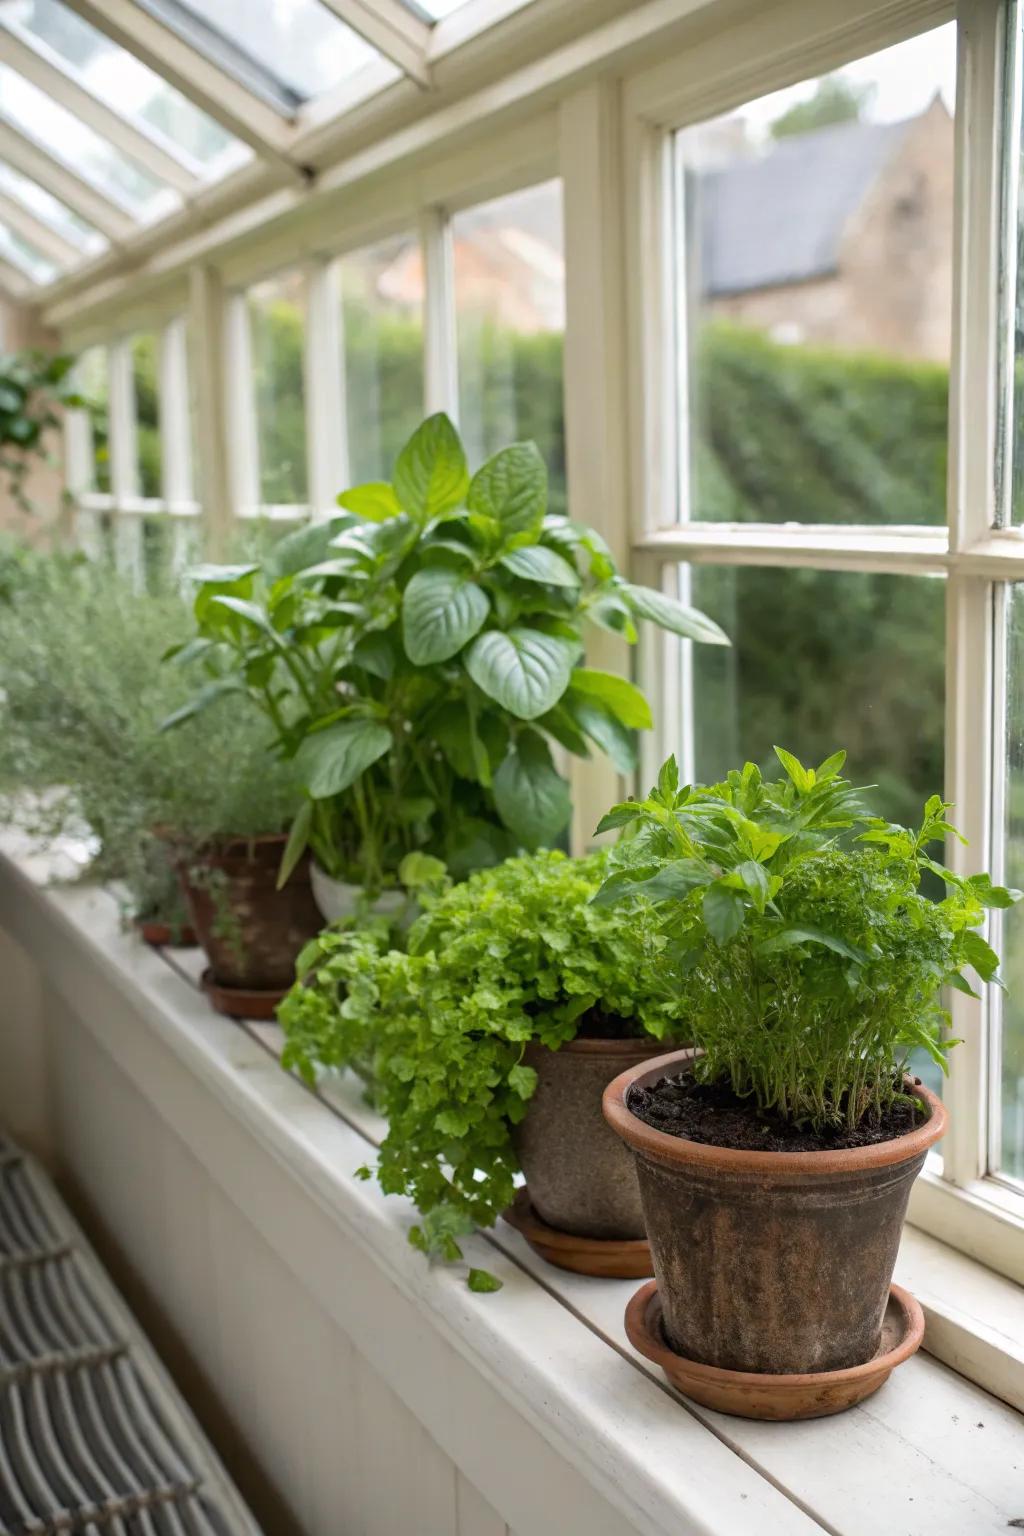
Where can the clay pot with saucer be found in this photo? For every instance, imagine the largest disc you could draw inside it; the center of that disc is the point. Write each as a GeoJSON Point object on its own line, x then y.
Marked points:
{"type": "Point", "coordinates": [772, 1264]}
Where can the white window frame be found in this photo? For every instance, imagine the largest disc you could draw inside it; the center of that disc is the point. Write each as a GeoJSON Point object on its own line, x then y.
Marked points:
{"type": "Point", "coordinates": [124, 505]}
{"type": "Point", "coordinates": [956, 1199]}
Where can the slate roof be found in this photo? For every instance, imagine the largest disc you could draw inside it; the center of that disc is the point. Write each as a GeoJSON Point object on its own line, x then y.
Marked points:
{"type": "Point", "coordinates": [780, 218]}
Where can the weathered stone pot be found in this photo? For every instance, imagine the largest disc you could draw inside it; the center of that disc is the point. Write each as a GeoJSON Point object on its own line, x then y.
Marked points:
{"type": "Point", "coordinates": [775, 1262]}
{"type": "Point", "coordinates": [580, 1177]}
{"type": "Point", "coordinates": [251, 931]}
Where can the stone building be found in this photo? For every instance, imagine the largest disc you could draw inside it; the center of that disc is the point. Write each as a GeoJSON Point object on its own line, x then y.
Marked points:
{"type": "Point", "coordinates": [842, 236]}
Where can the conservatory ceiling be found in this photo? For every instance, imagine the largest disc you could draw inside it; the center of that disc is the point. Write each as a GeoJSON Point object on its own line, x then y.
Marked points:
{"type": "Point", "coordinates": [117, 114]}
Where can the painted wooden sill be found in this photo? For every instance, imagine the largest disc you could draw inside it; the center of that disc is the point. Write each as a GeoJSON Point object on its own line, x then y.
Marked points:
{"type": "Point", "coordinates": [931, 1453]}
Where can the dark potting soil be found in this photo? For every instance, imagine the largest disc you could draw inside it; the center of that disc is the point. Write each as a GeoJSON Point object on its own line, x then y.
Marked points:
{"type": "Point", "coordinates": [597, 1025]}
{"type": "Point", "coordinates": [711, 1113]}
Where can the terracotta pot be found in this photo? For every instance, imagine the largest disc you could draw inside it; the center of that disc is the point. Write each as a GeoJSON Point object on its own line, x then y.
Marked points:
{"type": "Point", "coordinates": [251, 931]}
{"type": "Point", "coordinates": [775, 1262]}
{"type": "Point", "coordinates": [580, 1177]}
{"type": "Point", "coordinates": [165, 935]}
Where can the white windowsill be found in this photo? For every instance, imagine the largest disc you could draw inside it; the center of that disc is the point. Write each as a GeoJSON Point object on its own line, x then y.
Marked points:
{"type": "Point", "coordinates": [930, 1453]}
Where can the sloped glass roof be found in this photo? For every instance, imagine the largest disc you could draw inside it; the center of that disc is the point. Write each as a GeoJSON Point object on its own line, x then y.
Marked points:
{"type": "Point", "coordinates": [94, 158]}
{"type": "Point", "coordinates": [103, 133]}
{"type": "Point", "coordinates": [25, 257]}
{"type": "Point", "coordinates": [119, 78]}
{"type": "Point", "coordinates": [301, 46]}
{"type": "Point", "coordinates": [61, 219]}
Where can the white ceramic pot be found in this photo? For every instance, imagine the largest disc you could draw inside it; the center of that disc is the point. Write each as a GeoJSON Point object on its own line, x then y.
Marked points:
{"type": "Point", "coordinates": [337, 899]}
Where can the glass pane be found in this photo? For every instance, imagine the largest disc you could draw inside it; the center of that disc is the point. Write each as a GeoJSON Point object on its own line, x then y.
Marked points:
{"type": "Point", "coordinates": [1011, 945]}
{"type": "Point", "coordinates": [68, 138]}
{"type": "Point", "coordinates": [382, 326]}
{"type": "Point", "coordinates": [25, 257]}
{"type": "Point", "coordinates": [510, 315]}
{"type": "Point", "coordinates": [92, 381]}
{"type": "Point", "coordinates": [276, 319]}
{"type": "Point", "coordinates": [300, 43]}
{"type": "Point", "coordinates": [822, 660]}
{"type": "Point", "coordinates": [117, 77]}
{"type": "Point", "coordinates": [51, 211]}
{"type": "Point", "coordinates": [147, 420]}
{"type": "Point", "coordinates": [815, 256]}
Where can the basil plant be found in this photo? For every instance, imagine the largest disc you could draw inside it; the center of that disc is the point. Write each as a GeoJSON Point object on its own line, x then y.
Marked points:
{"type": "Point", "coordinates": [422, 653]}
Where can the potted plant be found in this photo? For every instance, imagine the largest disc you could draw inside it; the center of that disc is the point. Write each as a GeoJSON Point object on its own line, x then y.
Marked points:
{"type": "Point", "coordinates": [775, 1166]}
{"type": "Point", "coordinates": [81, 751]}
{"type": "Point", "coordinates": [419, 656]}
{"type": "Point", "coordinates": [489, 1042]}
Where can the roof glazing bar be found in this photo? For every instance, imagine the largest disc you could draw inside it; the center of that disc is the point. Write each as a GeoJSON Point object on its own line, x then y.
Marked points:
{"type": "Point", "coordinates": [33, 160]}
{"type": "Point", "coordinates": [46, 240]}
{"type": "Point", "coordinates": [398, 32]}
{"type": "Point", "coordinates": [159, 44]}
{"type": "Point", "coordinates": [48, 71]}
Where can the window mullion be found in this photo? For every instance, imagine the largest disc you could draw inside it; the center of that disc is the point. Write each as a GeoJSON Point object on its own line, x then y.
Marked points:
{"type": "Point", "coordinates": [440, 362]}
{"type": "Point", "coordinates": [326, 428]}
{"type": "Point", "coordinates": [243, 435]}
{"type": "Point", "coordinates": [973, 417]}
{"type": "Point", "coordinates": [124, 461]}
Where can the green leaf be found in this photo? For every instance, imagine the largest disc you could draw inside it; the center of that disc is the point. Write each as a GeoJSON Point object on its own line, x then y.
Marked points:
{"type": "Point", "coordinates": [207, 695]}
{"type": "Point", "coordinates": [753, 878]}
{"type": "Point", "coordinates": [531, 796]}
{"type": "Point", "coordinates": [668, 780]}
{"type": "Point", "coordinates": [802, 777]}
{"type": "Point", "coordinates": [219, 575]}
{"type": "Point", "coordinates": [621, 698]}
{"type": "Point", "coordinates": [376, 501]}
{"type": "Point", "coordinates": [375, 653]}
{"type": "Point", "coordinates": [724, 913]}
{"type": "Point", "coordinates": [431, 477]}
{"type": "Point", "coordinates": [523, 1080]}
{"type": "Point", "coordinates": [420, 869]}
{"type": "Point", "coordinates": [831, 767]}
{"type": "Point", "coordinates": [512, 488]}
{"type": "Point", "coordinates": [303, 547]}
{"type": "Point", "coordinates": [441, 610]}
{"type": "Point", "coordinates": [482, 1281]}
{"type": "Point", "coordinates": [619, 816]}
{"type": "Point", "coordinates": [607, 733]}
{"type": "Point", "coordinates": [980, 955]}
{"type": "Point", "coordinates": [523, 670]}
{"type": "Point", "coordinates": [330, 761]}
{"type": "Point", "coordinates": [791, 938]}
{"type": "Point", "coordinates": [251, 612]}
{"type": "Point", "coordinates": [535, 563]}
{"type": "Point", "coordinates": [990, 895]}
{"type": "Point", "coordinates": [668, 613]}
{"type": "Point", "coordinates": [298, 841]}
{"type": "Point", "coordinates": [672, 883]}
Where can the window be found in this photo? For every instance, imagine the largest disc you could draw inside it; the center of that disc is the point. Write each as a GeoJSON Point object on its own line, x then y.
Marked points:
{"type": "Point", "coordinates": [382, 295]}
{"type": "Point", "coordinates": [115, 75]}
{"type": "Point", "coordinates": [51, 211]}
{"type": "Point", "coordinates": [301, 45]}
{"type": "Point", "coordinates": [42, 119]}
{"type": "Point", "coordinates": [275, 309]}
{"type": "Point", "coordinates": [149, 454]}
{"type": "Point", "coordinates": [510, 315]}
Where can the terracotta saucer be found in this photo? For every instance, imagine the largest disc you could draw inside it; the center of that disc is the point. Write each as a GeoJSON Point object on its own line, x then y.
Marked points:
{"type": "Point", "coordinates": [164, 936]}
{"type": "Point", "coordinates": [608, 1258]}
{"type": "Point", "coordinates": [752, 1395]}
{"type": "Point", "coordinates": [241, 1002]}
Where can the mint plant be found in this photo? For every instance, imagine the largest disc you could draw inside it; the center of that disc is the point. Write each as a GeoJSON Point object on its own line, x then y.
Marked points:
{"type": "Point", "coordinates": [807, 965]}
{"type": "Point", "coordinates": [514, 954]}
{"type": "Point", "coordinates": [421, 654]}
